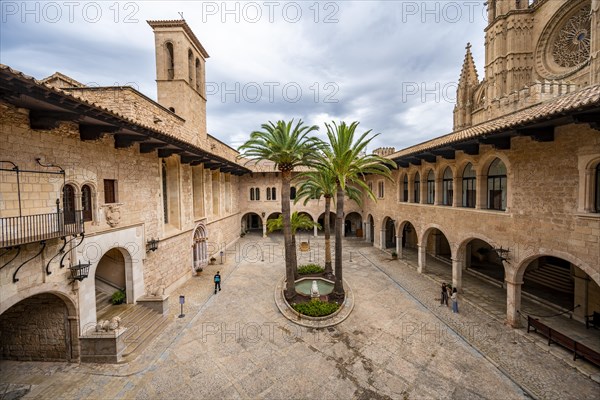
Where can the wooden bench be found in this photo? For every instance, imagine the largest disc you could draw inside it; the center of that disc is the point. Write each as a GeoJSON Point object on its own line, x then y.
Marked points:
{"type": "Point", "coordinates": [593, 320]}
{"type": "Point", "coordinates": [579, 350]}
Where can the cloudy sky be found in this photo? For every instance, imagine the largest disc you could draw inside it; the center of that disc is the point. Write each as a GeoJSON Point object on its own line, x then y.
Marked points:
{"type": "Point", "coordinates": [392, 65]}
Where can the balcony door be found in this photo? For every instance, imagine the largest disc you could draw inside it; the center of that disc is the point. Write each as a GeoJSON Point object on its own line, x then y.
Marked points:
{"type": "Point", "coordinates": [69, 204]}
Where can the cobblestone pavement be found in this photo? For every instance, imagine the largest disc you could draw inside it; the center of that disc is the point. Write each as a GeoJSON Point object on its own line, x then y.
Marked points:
{"type": "Point", "coordinates": [397, 343]}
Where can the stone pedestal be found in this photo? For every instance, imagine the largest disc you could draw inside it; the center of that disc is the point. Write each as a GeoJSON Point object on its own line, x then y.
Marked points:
{"type": "Point", "coordinates": [159, 304]}
{"type": "Point", "coordinates": [102, 347]}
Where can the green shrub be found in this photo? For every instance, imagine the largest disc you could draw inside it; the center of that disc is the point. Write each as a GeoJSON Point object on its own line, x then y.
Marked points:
{"type": "Point", "coordinates": [310, 269]}
{"type": "Point", "coordinates": [118, 297]}
{"type": "Point", "coordinates": [316, 308]}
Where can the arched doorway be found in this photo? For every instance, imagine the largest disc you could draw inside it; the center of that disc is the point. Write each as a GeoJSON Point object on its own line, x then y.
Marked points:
{"type": "Point", "coordinates": [389, 236]}
{"type": "Point", "coordinates": [321, 221]}
{"type": "Point", "coordinates": [271, 216]}
{"type": "Point", "coordinates": [353, 225]}
{"type": "Point", "coordinates": [38, 328]}
{"type": "Point", "coordinates": [409, 236]}
{"type": "Point", "coordinates": [251, 222]}
{"type": "Point", "coordinates": [438, 247]}
{"type": "Point", "coordinates": [200, 248]}
{"type": "Point", "coordinates": [111, 277]}
{"type": "Point", "coordinates": [371, 229]}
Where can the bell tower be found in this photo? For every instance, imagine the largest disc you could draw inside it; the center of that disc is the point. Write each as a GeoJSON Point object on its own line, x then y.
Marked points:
{"type": "Point", "coordinates": [180, 74]}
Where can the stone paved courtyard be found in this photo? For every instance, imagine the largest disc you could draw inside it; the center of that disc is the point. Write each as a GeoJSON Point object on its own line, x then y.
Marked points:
{"type": "Point", "coordinates": [397, 343]}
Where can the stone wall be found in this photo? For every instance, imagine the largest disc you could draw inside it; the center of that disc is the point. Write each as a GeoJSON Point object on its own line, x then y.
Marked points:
{"type": "Point", "coordinates": [42, 336]}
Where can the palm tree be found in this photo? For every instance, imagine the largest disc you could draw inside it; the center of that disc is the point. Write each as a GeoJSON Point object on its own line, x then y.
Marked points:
{"type": "Point", "coordinates": [349, 164]}
{"type": "Point", "coordinates": [298, 221]}
{"type": "Point", "coordinates": [321, 183]}
{"type": "Point", "coordinates": [287, 146]}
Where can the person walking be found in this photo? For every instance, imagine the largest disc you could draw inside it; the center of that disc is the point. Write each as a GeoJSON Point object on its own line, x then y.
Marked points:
{"type": "Point", "coordinates": [444, 299]}
{"type": "Point", "coordinates": [454, 300]}
{"type": "Point", "coordinates": [217, 280]}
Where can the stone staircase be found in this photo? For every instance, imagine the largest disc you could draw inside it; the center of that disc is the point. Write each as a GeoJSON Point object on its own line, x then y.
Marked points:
{"type": "Point", "coordinates": [558, 278]}
{"type": "Point", "coordinates": [143, 325]}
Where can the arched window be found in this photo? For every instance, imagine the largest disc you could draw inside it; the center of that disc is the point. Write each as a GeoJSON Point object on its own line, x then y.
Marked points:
{"type": "Point", "coordinates": [447, 190]}
{"type": "Point", "coordinates": [405, 188]}
{"type": "Point", "coordinates": [251, 194]}
{"type": "Point", "coordinates": [191, 66]}
{"type": "Point", "coordinates": [273, 194]}
{"type": "Point", "coordinates": [597, 202]}
{"type": "Point", "coordinates": [170, 61]}
{"type": "Point", "coordinates": [292, 193]}
{"type": "Point", "coordinates": [257, 193]}
{"type": "Point", "coordinates": [86, 202]}
{"type": "Point", "coordinates": [430, 187]}
{"type": "Point", "coordinates": [417, 189]}
{"type": "Point", "coordinates": [198, 78]}
{"type": "Point", "coordinates": [468, 186]}
{"type": "Point", "coordinates": [165, 193]}
{"type": "Point", "coordinates": [69, 204]}
{"type": "Point", "coordinates": [496, 185]}
{"type": "Point", "coordinates": [268, 193]}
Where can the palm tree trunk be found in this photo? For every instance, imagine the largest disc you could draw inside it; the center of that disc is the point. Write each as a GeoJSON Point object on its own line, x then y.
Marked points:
{"type": "Point", "coordinates": [290, 250]}
{"type": "Point", "coordinates": [328, 269]}
{"type": "Point", "coordinates": [338, 288]}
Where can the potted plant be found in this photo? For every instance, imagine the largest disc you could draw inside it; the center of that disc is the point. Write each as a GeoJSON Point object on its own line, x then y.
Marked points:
{"type": "Point", "coordinates": [198, 269]}
{"type": "Point", "coordinates": [212, 261]}
{"type": "Point", "coordinates": [394, 255]}
{"type": "Point", "coordinates": [118, 297]}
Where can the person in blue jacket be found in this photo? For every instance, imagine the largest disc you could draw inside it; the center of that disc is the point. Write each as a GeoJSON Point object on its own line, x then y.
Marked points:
{"type": "Point", "coordinates": [217, 280]}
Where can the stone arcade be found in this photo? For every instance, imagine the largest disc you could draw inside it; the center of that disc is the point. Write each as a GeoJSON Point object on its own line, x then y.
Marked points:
{"type": "Point", "coordinates": [142, 194]}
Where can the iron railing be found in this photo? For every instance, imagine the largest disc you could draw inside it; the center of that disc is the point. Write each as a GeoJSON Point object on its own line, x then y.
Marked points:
{"type": "Point", "coordinates": [15, 231]}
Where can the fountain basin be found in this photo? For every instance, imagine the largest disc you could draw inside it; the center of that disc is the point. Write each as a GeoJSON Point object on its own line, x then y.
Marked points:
{"type": "Point", "coordinates": [303, 285]}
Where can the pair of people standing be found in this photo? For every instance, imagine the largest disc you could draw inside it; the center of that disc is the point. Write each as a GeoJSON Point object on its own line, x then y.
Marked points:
{"type": "Point", "coordinates": [453, 296]}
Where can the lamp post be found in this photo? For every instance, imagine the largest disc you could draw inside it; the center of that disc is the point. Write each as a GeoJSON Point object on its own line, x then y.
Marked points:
{"type": "Point", "coordinates": [182, 302]}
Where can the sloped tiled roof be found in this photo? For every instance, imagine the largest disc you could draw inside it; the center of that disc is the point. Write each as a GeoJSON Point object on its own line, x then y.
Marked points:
{"type": "Point", "coordinates": [586, 98]}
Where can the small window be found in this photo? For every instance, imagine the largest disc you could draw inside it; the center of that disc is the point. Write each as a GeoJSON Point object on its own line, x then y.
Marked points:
{"type": "Point", "coordinates": [405, 188]}
{"type": "Point", "coordinates": [170, 61]}
{"type": "Point", "coordinates": [268, 193]}
{"type": "Point", "coordinates": [86, 202]}
{"type": "Point", "coordinates": [417, 189]}
{"type": "Point", "coordinates": [293, 193]}
{"type": "Point", "coordinates": [257, 194]}
{"type": "Point", "coordinates": [69, 204]}
{"type": "Point", "coordinates": [198, 78]}
{"type": "Point", "coordinates": [447, 190]}
{"type": "Point", "coordinates": [110, 188]}
{"type": "Point", "coordinates": [497, 186]}
{"type": "Point", "coordinates": [468, 187]}
{"type": "Point", "coordinates": [191, 66]}
{"type": "Point", "coordinates": [370, 185]}
{"type": "Point", "coordinates": [273, 194]}
{"type": "Point", "coordinates": [380, 189]}
{"type": "Point", "coordinates": [430, 188]}
{"type": "Point", "coordinates": [251, 194]}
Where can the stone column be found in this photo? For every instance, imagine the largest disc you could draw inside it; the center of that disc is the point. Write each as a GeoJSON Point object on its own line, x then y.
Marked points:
{"type": "Point", "coordinates": [457, 190]}
{"type": "Point", "coordinates": [399, 246]}
{"type": "Point", "coordinates": [513, 303]}
{"type": "Point", "coordinates": [265, 230]}
{"type": "Point", "coordinates": [595, 44]}
{"type": "Point", "coordinates": [422, 257]}
{"type": "Point", "coordinates": [457, 267]}
{"type": "Point", "coordinates": [382, 239]}
{"type": "Point", "coordinates": [367, 231]}
{"type": "Point", "coordinates": [580, 294]}
{"type": "Point", "coordinates": [480, 195]}
{"type": "Point", "coordinates": [316, 233]}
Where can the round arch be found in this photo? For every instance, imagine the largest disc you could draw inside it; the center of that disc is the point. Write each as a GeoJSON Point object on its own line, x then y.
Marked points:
{"type": "Point", "coordinates": [114, 269]}
{"type": "Point", "coordinates": [481, 167]}
{"type": "Point", "coordinates": [517, 274]}
{"type": "Point", "coordinates": [199, 247]}
{"type": "Point", "coordinates": [51, 317]}
{"type": "Point", "coordinates": [389, 233]}
{"type": "Point", "coordinates": [353, 224]}
{"type": "Point", "coordinates": [370, 228]}
{"type": "Point", "coordinates": [251, 221]}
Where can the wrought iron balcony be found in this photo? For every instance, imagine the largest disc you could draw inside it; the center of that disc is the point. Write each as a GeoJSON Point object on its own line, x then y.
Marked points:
{"type": "Point", "coordinates": [15, 231]}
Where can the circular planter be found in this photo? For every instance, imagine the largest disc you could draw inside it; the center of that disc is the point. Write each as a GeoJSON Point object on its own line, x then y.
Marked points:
{"type": "Point", "coordinates": [314, 322]}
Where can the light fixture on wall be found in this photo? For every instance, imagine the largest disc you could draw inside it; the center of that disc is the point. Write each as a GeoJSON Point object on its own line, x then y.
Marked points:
{"type": "Point", "coordinates": [502, 254]}
{"type": "Point", "coordinates": [262, 214]}
{"type": "Point", "coordinates": [80, 271]}
{"type": "Point", "coordinates": [152, 245]}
